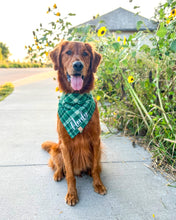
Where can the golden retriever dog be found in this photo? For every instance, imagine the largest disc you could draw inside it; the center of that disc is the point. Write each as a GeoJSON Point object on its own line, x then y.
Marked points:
{"type": "Point", "coordinates": [79, 147]}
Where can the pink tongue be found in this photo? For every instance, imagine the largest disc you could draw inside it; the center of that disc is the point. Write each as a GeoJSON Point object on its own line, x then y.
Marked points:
{"type": "Point", "coordinates": [76, 82]}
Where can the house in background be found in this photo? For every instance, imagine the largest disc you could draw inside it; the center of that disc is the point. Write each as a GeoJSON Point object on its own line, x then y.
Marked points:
{"type": "Point", "coordinates": [124, 21]}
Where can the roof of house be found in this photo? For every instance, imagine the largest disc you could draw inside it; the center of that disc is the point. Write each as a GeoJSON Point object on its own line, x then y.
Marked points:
{"type": "Point", "coordinates": [121, 20]}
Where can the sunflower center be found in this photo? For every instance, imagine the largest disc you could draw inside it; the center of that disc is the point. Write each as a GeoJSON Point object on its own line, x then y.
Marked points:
{"type": "Point", "coordinates": [102, 32]}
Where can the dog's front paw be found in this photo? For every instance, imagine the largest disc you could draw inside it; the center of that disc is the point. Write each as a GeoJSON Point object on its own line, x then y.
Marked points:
{"type": "Point", "coordinates": [58, 176]}
{"type": "Point", "coordinates": [71, 198]}
{"type": "Point", "coordinates": [100, 188]}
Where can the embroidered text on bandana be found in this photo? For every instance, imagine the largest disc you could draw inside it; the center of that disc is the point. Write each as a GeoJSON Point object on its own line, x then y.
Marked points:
{"type": "Point", "coordinates": [75, 110]}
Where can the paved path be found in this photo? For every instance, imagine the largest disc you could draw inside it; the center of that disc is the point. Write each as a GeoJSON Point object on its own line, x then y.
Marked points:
{"type": "Point", "coordinates": [27, 188]}
{"type": "Point", "coordinates": [14, 74]}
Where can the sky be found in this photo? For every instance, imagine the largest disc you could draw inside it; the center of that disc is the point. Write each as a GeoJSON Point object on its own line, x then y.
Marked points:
{"type": "Point", "coordinates": [20, 17]}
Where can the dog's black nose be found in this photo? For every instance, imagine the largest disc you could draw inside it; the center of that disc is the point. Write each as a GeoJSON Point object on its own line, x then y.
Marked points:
{"type": "Point", "coordinates": [78, 66]}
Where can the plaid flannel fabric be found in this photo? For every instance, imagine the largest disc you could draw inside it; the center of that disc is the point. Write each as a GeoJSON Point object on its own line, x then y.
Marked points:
{"type": "Point", "coordinates": [75, 110]}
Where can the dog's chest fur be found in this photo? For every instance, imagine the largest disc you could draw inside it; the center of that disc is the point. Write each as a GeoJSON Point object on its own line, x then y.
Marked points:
{"type": "Point", "coordinates": [80, 147]}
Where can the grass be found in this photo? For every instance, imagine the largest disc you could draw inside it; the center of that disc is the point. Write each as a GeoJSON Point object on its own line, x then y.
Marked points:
{"type": "Point", "coordinates": [5, 90]}
{"type": "Point", "coordinates": [8, 64]}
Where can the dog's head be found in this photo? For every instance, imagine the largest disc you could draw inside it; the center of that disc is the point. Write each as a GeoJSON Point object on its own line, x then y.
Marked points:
{"type": "Point", "coordinates": [76, 62]}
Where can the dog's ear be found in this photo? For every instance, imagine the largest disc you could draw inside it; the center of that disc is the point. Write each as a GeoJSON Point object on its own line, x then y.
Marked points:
{"type": "Point", "coordinates": [95, 58]}
{"type": "Point", "coordinates": [95, 61]}
{"type": "Point", "coordinates": [55, 55]}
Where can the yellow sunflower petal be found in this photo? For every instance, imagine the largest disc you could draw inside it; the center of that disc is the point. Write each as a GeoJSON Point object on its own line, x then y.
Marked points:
{"type": "Point", "coordinates": [118, 39]}
{"type": "Point", "coordinates": [101, 31]}
{"type": "Point", "coordinates": [124, 41]}
{"type": "Point", "coordinates": [173, 12]}
{"type": "Point", "coordinates": [130, 79]}
{"type": "Point", "coordinates": [98, 98]}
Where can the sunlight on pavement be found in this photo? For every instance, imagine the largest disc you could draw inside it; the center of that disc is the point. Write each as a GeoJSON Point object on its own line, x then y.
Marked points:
{"type": "Point", "coordinates": [34, 78]}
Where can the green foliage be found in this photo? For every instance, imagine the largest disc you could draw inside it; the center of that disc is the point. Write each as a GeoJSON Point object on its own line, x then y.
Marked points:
{"type": "Point", "coordinates": [46, 38]}
{"type": "Point", "coordinates": [147, 106]}
{"type": "Point", "coordinates": [4, 51]}
{"type": "Point", "coordinates": [6, 90]}
{"type": "Point", "coordinates": [22, 65]}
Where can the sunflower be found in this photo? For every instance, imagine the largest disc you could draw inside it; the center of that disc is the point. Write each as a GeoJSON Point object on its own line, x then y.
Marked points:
{"type": "Point", "coordinates": [98, 98]}
{"type": "Point", "coordinates": [49, 9]}
{"type": "Point", "coordinates": [54, 6]}
{"type": "Point", "coordinates": [130, 79]}
{"type": "Point", "coordinates": [58, 90]}
{"type": "Point", "coordinates": [101, 31]}
{"type": "Point", "coordinates": [173, 12]}
{"type": "Point", "coordinates": [169, 19]}
{"type": "Point", "coordinates": [46, 53]}
{"type": "Point", "coordinates": [124, 40]}
{"type": "Point", "coordinates": [118, 39]}
{"type": "Point", "coordinates": [58, 14]}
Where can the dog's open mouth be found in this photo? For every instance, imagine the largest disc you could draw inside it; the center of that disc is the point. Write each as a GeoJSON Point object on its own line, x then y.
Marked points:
{"type": "Point", "coordinates": [77, 82]}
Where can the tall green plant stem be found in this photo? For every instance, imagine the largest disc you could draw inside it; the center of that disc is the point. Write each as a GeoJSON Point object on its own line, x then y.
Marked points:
{"type": "Point", "coordinates": [160, 101]}
{"type": "Point", "coordinates": [138, 102]}
{"type": "Point", "coordinates": [143, 117]}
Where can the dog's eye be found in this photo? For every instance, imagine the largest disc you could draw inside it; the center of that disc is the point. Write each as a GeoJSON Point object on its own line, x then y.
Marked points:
{"type": "Point", "coordinates": [69, 52]}
{"type": "Point", "coordinates": [85, 54]}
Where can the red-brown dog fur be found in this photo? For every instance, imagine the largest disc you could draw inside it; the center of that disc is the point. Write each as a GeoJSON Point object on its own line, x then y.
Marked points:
{"type": "Point", "coordinates": [82, 153]}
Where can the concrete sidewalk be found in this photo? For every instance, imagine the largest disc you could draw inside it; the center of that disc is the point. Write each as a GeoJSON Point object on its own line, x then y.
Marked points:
{"type": "Point", "coordinates": [27, 188]}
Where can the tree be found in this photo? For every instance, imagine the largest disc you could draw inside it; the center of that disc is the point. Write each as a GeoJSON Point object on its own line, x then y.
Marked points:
{"type": "Point", "coordinates": [4, 51]}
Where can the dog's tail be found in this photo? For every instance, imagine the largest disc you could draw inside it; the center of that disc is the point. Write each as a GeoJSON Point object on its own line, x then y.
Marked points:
{"type": "Point", "coordinates": [48, 145]}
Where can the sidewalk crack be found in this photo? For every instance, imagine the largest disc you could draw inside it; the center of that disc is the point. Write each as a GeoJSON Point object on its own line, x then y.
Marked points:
{"type": "Point", "coordinates": [23, 165]}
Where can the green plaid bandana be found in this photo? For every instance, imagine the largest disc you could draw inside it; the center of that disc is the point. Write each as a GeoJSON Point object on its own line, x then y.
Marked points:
{"type": "Point", "coordinates": [75, 110]}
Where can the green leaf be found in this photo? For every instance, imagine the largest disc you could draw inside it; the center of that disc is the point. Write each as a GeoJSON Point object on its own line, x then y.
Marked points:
{"type": "Point", "coordinates": [162, 31]}
{"type": "Point", "coordinates": [153, 52]}
{"type": "Point", "coordinates": [139, 61]}
{"type": "Point", "coordinates": [125, 62]}
{"type": "Point", "coordinates": [71, 14]}
{"type": "Point", "coordinates": [135, 7]}
{"type": "Point", "coordinates": [100, 93]}
{"type": "Point", "coordinates": [145, 48]}
{"type": "Point", "coordinates": [162, 13]}
{"type": "Point", "coordinates": [133, 54]}
{"type": "Point", "coordinates": [173, 46]}
{"type": "Point", "coordinates": [139, 23]}
{"type": "Point", "coordinates": [116, 45]}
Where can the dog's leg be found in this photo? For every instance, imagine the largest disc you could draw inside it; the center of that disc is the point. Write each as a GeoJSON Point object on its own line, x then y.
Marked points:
{"type": "Point", "coordinates": [59, 167]}
{"type": "Point", "coordinates": [96, 169]}
{"type": "Point", "coordinates": [71, 197]}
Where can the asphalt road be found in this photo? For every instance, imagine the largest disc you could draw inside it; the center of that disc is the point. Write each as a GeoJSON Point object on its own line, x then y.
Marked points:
{"type": "Point", "coordinates": [13, 74]}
